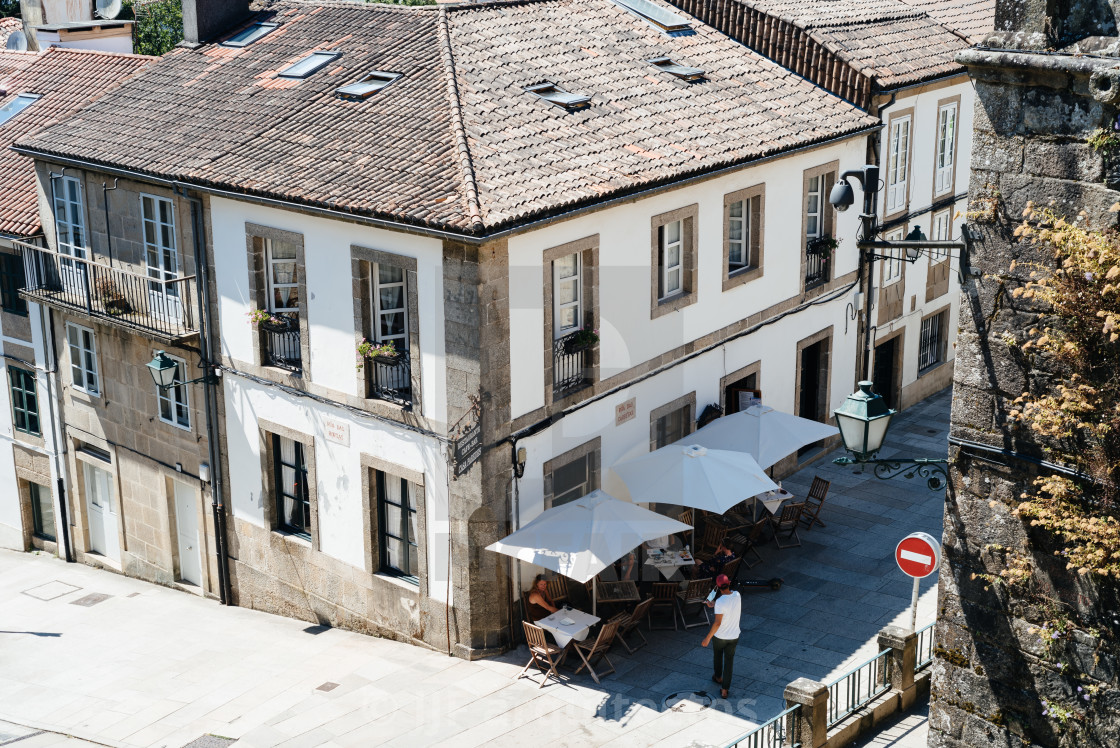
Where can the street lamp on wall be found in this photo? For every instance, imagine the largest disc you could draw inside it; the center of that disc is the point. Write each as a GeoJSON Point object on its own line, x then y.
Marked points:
{"type": "Point", "coordinates": [164, 369]}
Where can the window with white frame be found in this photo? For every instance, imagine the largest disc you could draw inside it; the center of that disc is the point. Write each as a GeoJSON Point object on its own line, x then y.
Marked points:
{"type": "Point", "coordinates": [567, 295]}
{"type": "Point", "coordinates": [743, 233]}
{"type": "Point", "coordinates": [898, 163]}
{"type": "Point", "coordinates": [814, 208]}
{"type": "Point", "coordinates": [390, 305]}
{"type": "Point", "coordinates": [69, 217]}
{"type": "Point", "coordinates": [931, 346]}
{"type": "Point", "coordinates": [283, 275]}
{"type": "Point", "coordinates": [160, 253]}
{"type": "Point", "coordinates": [671, 250]}
{"type": "Point", "coordinates": [892, 268]}
{"type": "Point", "coordinates": [946, 148]}
{"type": "Point", "coordinates": [398, 526]}
{"type": "Point", "coordinates": [942, 232]}
{"type": "Point", "coordinates": [83, 358]}
{"type": "Point", "coordinates": [174, 402]}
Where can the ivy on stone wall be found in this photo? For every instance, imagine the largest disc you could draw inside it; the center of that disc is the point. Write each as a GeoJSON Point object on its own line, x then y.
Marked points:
{"type": "Point", "coordinates": [1077, 409]}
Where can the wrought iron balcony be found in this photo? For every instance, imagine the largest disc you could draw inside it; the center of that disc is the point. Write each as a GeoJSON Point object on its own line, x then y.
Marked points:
{"type": "Point", "coordinates": [160, 309]}
{"type": "Point", "coordinates": [390, 380]}
{"type": "Point", "coordinates": [282, 341]}
{"type": "Point", "coordinates": [571, 365]}
{"type": "Point", "coordinates": [818, 260]}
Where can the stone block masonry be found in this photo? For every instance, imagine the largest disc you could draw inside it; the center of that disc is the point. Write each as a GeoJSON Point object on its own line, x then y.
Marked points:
{"type": "Point", "coordinates": [1007, 670]}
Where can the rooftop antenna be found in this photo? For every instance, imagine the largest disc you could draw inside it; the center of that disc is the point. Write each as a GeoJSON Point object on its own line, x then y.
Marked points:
{"type": "Point", "coordinates": [107, 9]}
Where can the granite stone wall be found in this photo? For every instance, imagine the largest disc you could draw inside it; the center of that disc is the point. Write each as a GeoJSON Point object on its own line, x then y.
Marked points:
{"type": "Point", "coordinates": [1004, 674]}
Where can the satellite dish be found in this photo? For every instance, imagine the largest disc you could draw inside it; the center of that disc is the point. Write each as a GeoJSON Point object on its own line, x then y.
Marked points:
{"type": "Point", "coordinates": [108, 9]}
{"type": "Point", "coordinates": [17, 41]}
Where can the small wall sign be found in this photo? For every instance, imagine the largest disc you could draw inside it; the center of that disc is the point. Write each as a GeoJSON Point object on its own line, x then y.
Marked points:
{"type": "Point", "coordinates": [336, 430]}
{"type": "Point", "coordinates": [625, 411]}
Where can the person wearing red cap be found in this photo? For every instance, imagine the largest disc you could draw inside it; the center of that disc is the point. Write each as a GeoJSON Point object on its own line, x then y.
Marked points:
{"type": "Point", "coordinates": [725, 631]}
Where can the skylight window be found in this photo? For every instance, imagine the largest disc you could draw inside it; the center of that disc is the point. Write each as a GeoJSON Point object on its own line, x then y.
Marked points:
{"type": "Point", "coordinates": [665, 20]}
{"type": "Point", "coordinates": [370, 84]}
{"type": "Point", "coordinates": [248, 36]}
{"type": "Point", "coordinates": [17, 105]}
{"type": "Point", "coordinates": [309, 64]}
{"type": "Point", "coordinates": [560, 97]}
{"type": "Point", "coordinates": [681, 71]}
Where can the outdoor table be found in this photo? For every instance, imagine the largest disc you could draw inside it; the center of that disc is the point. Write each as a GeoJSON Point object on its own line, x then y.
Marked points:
{"type": "Point", "coordinates": [618, 592]}
{"type": "Point", "coordinates": [564, 633]}
{"type": "Point", "coordinates": [670, 562]}
{"type": "Point", "coordinates": [772, 500]}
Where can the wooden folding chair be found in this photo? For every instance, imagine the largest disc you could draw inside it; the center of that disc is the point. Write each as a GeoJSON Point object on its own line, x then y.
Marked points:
{"type": "Point", "coordinates": [713, 536]}
{"type": "Point", "coordinates": [751, 542]}
{"type": "Point", "coordinates": [731, 569]}
{"type": "Point", "coordinates": [558, 590]}
{"type": "Point", "coordinates": [787, 523]}
{"type": "Point", "coordinates": [696, 593]}
{"type": "Point", "coordinates": [630, 621]}
{"type": "Point", "coordinates": [814, 501]}
{"type": "Point", "coordinates": [664, 596]}
{"type": "Point", "coordinates": [541, 653]}
{"type": "Point", "coordinates": [687, 518]}
{"type": "Point", "coordinates": [597, 650]}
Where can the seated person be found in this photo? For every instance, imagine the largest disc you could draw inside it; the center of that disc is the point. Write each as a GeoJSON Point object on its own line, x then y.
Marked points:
{"type": "Point", "coordinates": [713, 567]}
{"type": "Point", "coordinates": [539, 605]}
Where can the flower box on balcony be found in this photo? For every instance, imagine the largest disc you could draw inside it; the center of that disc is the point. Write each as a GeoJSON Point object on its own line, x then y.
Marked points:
{"type": "Point", "coordinates": [277, 324]}
{"type": "Point", "coordinates": [581, 340]}
{"type": "Point", "coordinates": [117, 306]}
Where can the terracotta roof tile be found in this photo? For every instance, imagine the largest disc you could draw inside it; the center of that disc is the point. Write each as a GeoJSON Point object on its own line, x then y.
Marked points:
{"type": "Point", "coordinates": [7, 26]}
{"type": "Point", "coordinates": [972, 19]}
{"type": "Point", "coordinates": [67, 79]}
{"type": "Point", "coordinates": [456, 143]}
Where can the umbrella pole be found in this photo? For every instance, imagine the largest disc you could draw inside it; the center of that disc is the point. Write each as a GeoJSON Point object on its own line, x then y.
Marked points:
{"type": "Point", "coordinates": [595, 595]}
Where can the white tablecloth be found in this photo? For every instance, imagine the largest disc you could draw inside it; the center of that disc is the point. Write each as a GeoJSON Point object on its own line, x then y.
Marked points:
{"type": "Point", "coordinates": [773, 500]}
{"type": "Point", "coordinates": [670, 562]}
{"type": "Point", "coordinates": [563, 633]}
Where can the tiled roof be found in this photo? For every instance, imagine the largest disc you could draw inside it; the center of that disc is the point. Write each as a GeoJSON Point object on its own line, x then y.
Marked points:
{"type": "Point", "coordinates": [7, 26]}
{"type": "Point", "coordinates": [851, 47]}
{"type": "Point", "coordinates": [456, 143]}
{"type": "Point", "coordinates": [67, 79]}
{"type": "Point", "coordinates": [11, 62]}
{"type": "Point", "coordinates": [972, 19]}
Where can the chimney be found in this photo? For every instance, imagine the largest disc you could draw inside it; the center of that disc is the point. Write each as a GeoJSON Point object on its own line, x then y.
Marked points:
{"type": "Point", "coordinates": [205, 19]}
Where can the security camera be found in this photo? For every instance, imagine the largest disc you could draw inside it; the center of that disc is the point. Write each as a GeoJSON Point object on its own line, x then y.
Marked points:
{"type": "Point", "coordinates": [842, 196]}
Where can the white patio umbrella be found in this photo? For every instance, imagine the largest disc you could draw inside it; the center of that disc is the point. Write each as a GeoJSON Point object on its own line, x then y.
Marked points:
{"type": "Point", "coordinates": [765, 434]}
{"type": "Point", "coordinates": [581, 538]}
{"type": "Point", "coordinates": [690, 475]}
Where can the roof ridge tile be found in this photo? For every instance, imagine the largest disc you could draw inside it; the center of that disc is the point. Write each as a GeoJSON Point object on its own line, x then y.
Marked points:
{"type": "Point", "coordinates": [466, 167]}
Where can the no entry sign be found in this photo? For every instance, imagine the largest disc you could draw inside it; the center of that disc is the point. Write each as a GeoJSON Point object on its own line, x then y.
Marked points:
{"type": "Point", "coordinates": [918, 555]}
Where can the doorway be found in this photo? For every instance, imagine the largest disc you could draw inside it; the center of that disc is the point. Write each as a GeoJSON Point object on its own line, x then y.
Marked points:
{"type": "Point", "coordinates": [742, 394]}
{"type": "Point", "coordinates": [103, 535]}
{"type": "Point", "coordinates": [186, 524]}
{"type": "Point", "coordinates": [812, 387]}
{"type": "Point", "coordinates": [884, 372]}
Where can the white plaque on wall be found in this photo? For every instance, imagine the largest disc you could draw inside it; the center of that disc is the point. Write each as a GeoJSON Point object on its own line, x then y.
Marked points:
{"type": "Point", "coordinates": [625, 411]}
{"type": "Point", "coordinates": [336, 430]}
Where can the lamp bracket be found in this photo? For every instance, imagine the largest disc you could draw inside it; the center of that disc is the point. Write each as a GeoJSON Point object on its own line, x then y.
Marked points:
{"type": "Point", "coordinates": [907, 244]}
{"type": "Point", "coordinates": [208, 379]}
{"type": "Point", "coordinates": [933, 470]}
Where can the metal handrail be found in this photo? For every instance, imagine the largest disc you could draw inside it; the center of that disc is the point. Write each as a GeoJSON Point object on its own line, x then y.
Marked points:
{"type": "Point", "coordinates": [858, 686]}
{"type": "Point", "coordinates": [128, 299]}
{"type": "Point", "coordinates": [770, 734]}
{"type": "Point", "coordinates": [570, 365]}
{"type": "Point", "coordinates": [925, 645]}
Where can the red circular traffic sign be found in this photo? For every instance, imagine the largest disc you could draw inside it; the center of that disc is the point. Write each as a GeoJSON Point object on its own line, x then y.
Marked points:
{"type": "Point", "coordinates": [918, 555]}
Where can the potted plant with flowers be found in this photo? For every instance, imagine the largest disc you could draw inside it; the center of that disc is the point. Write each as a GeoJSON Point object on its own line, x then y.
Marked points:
{"type": "Point", "coordinates": [269, 322]}
{"type": "Point", "coordinates": [382, 353]}
{"type": "Point", "coordinates": [581, 339]}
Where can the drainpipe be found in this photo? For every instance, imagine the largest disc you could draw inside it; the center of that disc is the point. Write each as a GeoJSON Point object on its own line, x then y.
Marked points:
{"type": "Point", "coordinates": [51, 367]}
{"type": "Point", "coordinates": [105, 190]}
{"type": "Point", "coordinates": [209, 385]}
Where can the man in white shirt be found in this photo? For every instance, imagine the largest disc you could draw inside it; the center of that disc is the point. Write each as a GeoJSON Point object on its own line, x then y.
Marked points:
{"type": "Point", "coordinates": [725, 630]}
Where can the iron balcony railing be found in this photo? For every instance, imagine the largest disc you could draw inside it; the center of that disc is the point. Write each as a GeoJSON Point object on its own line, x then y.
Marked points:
{"type": "Point", "coordinates": [282, 341]}
{"type": "Point", "coordinates": [391, 381]}
{"type": "Point", "coordinates": [571, 365]}
{"type": "Point", "coordinates": [925, 647]}
{"type": "Point", "coordinates": [857, 687]}
{"type": "Point", "coordinates": [771, 734]}
{"type": "Point", "coordinates": [159, 308]}
{"type": "Point", "coordinates": [818, 256]}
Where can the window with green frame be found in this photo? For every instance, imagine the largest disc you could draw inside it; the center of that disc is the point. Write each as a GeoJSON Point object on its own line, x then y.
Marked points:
{"type": "Point", "coordinates": [11, 281]}
{"type": "Point", "coordinates": [397, 505]}
{"type": "Point", "coordinates": [25, 403]}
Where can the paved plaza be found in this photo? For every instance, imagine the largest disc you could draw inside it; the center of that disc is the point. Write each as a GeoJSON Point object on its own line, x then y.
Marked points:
{"type": "Point", "coordinates": [121, 662]}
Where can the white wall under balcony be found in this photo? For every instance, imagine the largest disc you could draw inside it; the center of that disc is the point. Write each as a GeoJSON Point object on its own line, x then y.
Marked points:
{"type": "Point", "coordinates": [330, 309]}
{"type": "Point", "coordinates": [628, 335]}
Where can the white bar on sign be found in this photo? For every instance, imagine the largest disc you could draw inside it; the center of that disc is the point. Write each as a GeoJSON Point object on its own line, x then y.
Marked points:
{"type": "Point", "coordinates": [911, 556]}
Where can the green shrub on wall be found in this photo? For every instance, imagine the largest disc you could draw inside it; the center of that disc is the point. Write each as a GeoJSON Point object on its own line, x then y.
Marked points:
{"type": "Point", "coordinates": [158, 25]}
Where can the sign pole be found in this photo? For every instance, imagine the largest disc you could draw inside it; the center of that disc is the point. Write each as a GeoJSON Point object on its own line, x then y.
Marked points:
{"type": "Point", "coordinates": [914, 607]}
